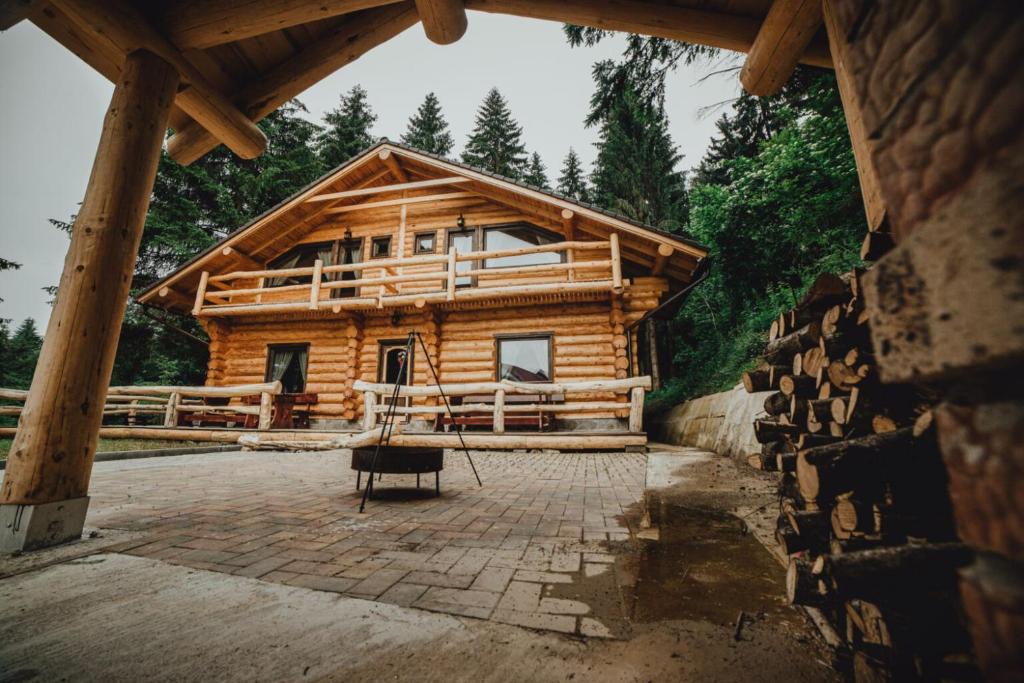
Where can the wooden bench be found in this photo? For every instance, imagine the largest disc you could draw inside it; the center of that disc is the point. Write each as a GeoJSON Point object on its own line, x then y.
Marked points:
{"type": "Point", "coordinates": [291, 411]}
{"type": "Point", "coordinates": [198, 418]}
{"type": "Point", "coordinates": [539, 420]}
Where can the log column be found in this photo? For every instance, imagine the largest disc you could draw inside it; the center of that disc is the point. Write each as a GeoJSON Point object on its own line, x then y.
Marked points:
{"type": "Point", "coordinates": [43, 497]}
{"type": "Point", "coordinates": [939, 95]}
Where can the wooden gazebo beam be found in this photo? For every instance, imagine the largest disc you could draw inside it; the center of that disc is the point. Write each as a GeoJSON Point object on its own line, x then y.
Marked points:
{"type": "Point", "coordinates": [205, 23]}
{"type": "Point", "coordinates": [444, 21]}
{"type": "Point", "coordinates": [783, 38]}
{"type": "Point", "coordinates": [344, 44]}
{"type": "Point", "coordinates": [663, 20]}
{"type": "Point", "coordinates": [13, 11]}
{"type": "Point", "coordinates": [123, 25]}
{"type": "Point", "coordinates": [50, 462]}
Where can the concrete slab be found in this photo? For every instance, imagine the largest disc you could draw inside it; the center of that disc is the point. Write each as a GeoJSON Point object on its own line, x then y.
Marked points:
{"type": "Point", "coordinates": [113, 617]}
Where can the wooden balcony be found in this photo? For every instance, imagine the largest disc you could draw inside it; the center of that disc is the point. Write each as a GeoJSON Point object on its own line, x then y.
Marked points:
{"type": "Point", "coordinates": [414, 281]}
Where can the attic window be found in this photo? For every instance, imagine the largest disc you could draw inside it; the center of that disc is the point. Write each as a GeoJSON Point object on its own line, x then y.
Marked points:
{"type": "Point", "coordinates": [425, 243]}
{"type": "Point", "coordinates": [380, 247]}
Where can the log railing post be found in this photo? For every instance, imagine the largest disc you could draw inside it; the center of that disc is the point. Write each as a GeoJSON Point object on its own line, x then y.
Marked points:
{"type": "Point", "coordinates": [636, 409]}
{"type": "Point", "coordinates": [171, 412]}
{"type": "Point", "coordinates": [453, 262]}
{"type": "Point", "coordinates": [266, 410]}
{"type": "Point", "coordinates": [369, 410]}
{"type": "Point", "coordinates": [50, 462]}
{"type": "Point", "coordinates": [499, 411]}
{"type": "Point", "coordinates": [204, 282]}
{"type": "Point", "coordinates": [314, 290]}
{"type": "Point", "coordinates": [613, 242]}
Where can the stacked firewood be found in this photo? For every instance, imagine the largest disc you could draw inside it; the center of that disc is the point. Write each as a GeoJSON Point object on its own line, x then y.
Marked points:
{"type": "Point", "coordinates": [864, 513]}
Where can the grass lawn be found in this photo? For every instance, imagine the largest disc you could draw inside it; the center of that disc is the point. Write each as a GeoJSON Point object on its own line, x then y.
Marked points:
{"type": "Point", "coordinates": [107, 445]}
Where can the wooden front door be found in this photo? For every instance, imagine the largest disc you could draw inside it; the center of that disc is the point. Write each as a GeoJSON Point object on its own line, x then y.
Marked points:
{"type": "Point", "coordinates": [392, 370]}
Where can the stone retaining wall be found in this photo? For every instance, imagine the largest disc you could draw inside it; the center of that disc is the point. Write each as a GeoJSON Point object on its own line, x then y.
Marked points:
{"type": "Point", "coordinates": [722, 422]}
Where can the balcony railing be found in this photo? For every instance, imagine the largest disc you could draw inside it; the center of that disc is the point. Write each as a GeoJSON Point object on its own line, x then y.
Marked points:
{"type": "Point", "coordinates": [414, 280]}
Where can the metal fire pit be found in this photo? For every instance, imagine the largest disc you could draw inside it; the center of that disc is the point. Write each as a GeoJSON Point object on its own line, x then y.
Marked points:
{"type": "Point", "coordinates": [398, 460]}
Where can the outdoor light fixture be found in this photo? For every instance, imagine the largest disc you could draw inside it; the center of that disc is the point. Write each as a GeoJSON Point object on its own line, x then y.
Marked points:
{"type": "Point", "coordinates": [461, 221]}
{"type": "Point", "coordinates": [348, 234]}
{"type": "Point", "coordinates": [396, 318]}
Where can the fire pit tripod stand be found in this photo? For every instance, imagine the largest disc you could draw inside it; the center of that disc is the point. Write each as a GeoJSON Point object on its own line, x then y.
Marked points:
{"type": "Point", "coordinates": [396, 456]}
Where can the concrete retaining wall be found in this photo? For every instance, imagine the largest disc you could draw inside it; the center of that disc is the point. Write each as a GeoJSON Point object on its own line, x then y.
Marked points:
{"type": "Point", "coordinates": [722, 422]}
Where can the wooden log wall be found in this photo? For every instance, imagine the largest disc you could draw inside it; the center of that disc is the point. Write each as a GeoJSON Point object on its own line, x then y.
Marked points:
{"type": "Point", "coordinates": [582, 345]}
{"type": "Point", "coordinates": [864, 512]}
{"type": "Point", "coordinates": [589, 342]}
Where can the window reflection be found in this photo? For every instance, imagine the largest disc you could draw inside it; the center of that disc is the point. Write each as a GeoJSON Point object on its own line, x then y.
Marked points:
{"type": "Point", "coordinates": [518, 237]}
{"type": "Point", "coordinates": [525, 359]}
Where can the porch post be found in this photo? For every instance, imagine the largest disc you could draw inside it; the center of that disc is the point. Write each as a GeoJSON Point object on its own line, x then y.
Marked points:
{"type": "Point", "coordinates": [43, 497]}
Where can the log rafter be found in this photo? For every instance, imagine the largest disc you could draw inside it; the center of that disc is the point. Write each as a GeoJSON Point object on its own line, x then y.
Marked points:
{"type": "Point", "coordinates": [123, 26]}
{"type": "Point", "coordinates": [785, 34]}
{"type": "Point", "coordinates": [444, 21]}
{"type": "Point", "coordinates": [205, 23]}
{"type": "Point", "coordinates": [343, 44]}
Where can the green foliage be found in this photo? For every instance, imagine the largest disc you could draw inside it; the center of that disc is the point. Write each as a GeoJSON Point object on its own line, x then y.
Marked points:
{"type": "Point", "coordinates": [428, 129]}
{"type": "Point", "coordinates": [635, 171]}
{"type": "Point", "coordinates": [347, 130]}
{"type": "Point", "coordinates": [777, 218]}
{"type": "Point", "coordinates": [572, 182]}
{"type": "Point", "coordinates": [19, 351]}
{"type": "Point", "coordinates": [645, 63]}
{"type": "Point", "coordinates": [496, 141]}
{"type": "Point", "coordinates": [8, 265]}
{"type": "Point", "coordinates": [536, 173]}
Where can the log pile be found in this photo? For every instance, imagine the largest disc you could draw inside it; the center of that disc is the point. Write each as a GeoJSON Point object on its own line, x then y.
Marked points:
{"type": "Point", "coordinates": [864, 511]}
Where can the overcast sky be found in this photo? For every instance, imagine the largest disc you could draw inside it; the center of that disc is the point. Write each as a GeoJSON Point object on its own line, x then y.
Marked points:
{"type": "Point", "coordinates": [52, 107]}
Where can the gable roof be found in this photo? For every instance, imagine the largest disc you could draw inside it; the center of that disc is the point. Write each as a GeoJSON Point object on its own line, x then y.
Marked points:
{"type": "Point", "coordinates": [279, 227]}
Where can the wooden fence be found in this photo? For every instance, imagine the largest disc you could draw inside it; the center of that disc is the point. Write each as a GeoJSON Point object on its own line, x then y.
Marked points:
{"type": "Point", "coordinates": [436, 281]}
{"type": "Point", "coordinates": [171, 402]}
{"type": "Point", "coordinates": [634, 387]}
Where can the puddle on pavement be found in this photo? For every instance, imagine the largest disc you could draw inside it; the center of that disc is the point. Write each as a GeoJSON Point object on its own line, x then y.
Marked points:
{"type": "Point", "coordinates": [683, 564]}
{"type": "Point", "coordinates": [700, 564]}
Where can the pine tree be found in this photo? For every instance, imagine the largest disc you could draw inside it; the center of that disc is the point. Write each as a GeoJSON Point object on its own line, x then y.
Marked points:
{"type": "Point", "coordinates": [428, 129]}
{"type": "Point", "coordinates": [635, 171]}
{"type": "Point", "coordinates": [8, 265]}
{"type": "Point", "coordinates": [496, 141]}
{"type": "Point", "coordinates": [21, 352]}
{"type": "Point", "coordinates": [347, 130]}
{"type": "Point", "coordinates": [571, 182]}
{"type": "Point", "coordinates": [536, 173]}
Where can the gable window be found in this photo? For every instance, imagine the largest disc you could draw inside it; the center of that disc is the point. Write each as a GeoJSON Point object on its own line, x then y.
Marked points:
{"type": "Point", "coordinates": [424, 243]}
{"type": "Point", "coordinates": [287, 363]}
{"type": "Point", "coordinates": [380, 247]}
{"type": "Point", "coordinates": [524, 358]}
{"type": "Point", "coordinates": [302, 256]}
{"type": "Point", "coordinates": [519, 237]}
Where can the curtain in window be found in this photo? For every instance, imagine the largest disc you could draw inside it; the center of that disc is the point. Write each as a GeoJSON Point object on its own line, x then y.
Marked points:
{"type": "Point", "coordinates": [303, 359]}
{"type": "Point", "coordinates": [280, 359]}
{"type": "Point", "coordinates": [289, 261]}
{"type": "Point", "coordinates": [325, 253]}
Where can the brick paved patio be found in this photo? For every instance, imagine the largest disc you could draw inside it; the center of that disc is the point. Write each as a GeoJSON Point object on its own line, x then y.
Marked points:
{"type": "Point", "coordinates": [512, 551]}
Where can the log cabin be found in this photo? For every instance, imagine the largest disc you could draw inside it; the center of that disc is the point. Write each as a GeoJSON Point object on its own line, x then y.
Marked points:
{"type": "Point", "coordinates": [536, 311]}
